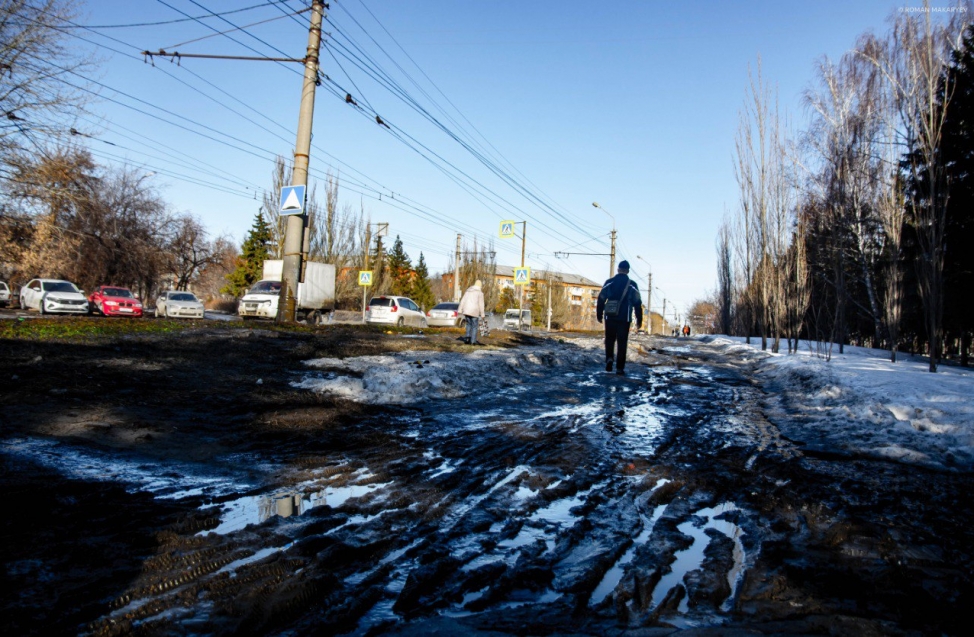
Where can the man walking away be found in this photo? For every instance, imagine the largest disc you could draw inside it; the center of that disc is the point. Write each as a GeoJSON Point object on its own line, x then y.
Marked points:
{"type": "Point", "coordinates": [617, 300]}
{"type": "Point", "coordinates": [472, 308]}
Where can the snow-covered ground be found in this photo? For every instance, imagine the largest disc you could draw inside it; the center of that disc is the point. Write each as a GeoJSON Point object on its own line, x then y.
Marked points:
{"type": "Point", "coordinates": [857, 403]}
{"type": "Point", "coordinates": [415, 376]}
{"type": "Point", "coordinates": [861, 404]}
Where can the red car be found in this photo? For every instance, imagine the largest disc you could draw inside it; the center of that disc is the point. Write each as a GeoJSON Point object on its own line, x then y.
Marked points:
{"type": "Point", "coordinates": [111, 300]}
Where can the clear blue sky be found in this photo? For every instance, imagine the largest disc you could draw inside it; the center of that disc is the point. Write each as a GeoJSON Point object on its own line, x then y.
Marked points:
{"type": "Point", "coordinates": [633, 104]}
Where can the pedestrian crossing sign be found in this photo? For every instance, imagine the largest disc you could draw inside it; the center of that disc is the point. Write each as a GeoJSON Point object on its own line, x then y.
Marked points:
{"type": "Point", "coordinates": [292, 200]}
{"type": "Point", "coordinates": [507, 229]}
{"type": "Point", "coordinates": [522, 276]}
{"type": "Point", "coordinates": [365, 278]}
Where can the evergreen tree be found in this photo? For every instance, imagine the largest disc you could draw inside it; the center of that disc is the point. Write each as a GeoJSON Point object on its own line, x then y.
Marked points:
{"type": "Point", "coordinates": [250, 263]}
{"type": "Point", "coordinates": [957, 148]}
{"type": "Point", "coordinates": [400, 269]}
{"type": "Point", "coordinates": [421, 291]}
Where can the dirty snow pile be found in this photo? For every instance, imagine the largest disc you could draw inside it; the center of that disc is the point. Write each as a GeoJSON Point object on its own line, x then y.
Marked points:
{"type": "Point", "coordinates": [859, 403]}
{"type": "Point", "coordinates": [409, 377]}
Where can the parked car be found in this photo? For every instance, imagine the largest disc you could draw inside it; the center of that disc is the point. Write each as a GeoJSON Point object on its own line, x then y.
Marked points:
{"type": "Point", "coordinates": [394, 310]}
{"type": "Point", "coordinates": [114, 301]}
{"type": "Point", "coordinates": [4, 294]}
{"type": "Point", "coordinates": [445, 315]}
{"type": "Point", "coordinates": [178, 304]}
{"type": "Point", "coordinates": [53, 295]}
{"type": "Point", "coordinates": [512, 322]}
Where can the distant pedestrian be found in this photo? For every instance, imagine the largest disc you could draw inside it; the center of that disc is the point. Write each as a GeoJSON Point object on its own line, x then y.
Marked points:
{"type": "Point", "coordinates": [686, 331]}
{"type": "Point", "coordinates": [472, 308]}
{"type": "Point", "coordinates": [617, 301]}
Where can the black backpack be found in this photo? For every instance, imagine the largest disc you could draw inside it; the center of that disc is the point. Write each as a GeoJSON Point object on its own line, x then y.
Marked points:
{"type": "Point", "coordinates": [612, 306]}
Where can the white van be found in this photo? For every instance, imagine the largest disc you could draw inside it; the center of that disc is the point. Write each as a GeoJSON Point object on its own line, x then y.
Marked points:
{"type": "Point", "coordinates": [511, 321]}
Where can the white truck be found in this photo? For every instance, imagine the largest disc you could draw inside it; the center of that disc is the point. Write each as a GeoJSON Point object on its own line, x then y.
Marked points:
{"type": "Point", "coordinates": [315, 297]}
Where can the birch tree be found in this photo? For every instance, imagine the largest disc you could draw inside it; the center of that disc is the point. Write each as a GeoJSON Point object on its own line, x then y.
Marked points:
{"type": "Point", "coordinates": [912, 60]}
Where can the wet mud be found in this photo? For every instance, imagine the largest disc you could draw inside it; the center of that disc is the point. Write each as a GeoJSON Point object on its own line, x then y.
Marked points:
{"type": "Point", "coordinates": [201, 484]}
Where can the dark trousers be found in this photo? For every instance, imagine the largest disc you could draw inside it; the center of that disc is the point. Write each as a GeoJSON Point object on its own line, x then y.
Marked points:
{"type": "Point", "coordinates": [616, 335]}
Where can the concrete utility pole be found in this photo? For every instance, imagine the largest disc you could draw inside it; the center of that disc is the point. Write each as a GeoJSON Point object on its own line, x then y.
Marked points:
{"type": "Point", "coordinates": [365, 289]}
{"type": "Point", "coordinates": [456, 273]}
{"type": "Point", "coordinates": [649, 293]}
{"type": "Point", "coordinates": [520, 300]}
{"type": "Point", "coordinates": [612, 252]}
{"type": "Point", "coordinates": [294, 232]}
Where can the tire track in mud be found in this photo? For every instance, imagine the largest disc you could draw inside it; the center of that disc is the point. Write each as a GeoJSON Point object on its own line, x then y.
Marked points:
{"type": "Point", "coordinates": [564, 505]}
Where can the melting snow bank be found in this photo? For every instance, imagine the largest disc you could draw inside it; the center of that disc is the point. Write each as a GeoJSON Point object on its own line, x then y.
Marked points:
{"type": "Point", "coordinates": [409, 377]}
{"type": "Point", "coordinates": [859, 403]}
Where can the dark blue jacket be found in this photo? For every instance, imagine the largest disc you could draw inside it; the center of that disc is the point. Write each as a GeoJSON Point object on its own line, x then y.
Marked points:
{"type": "Point", "coordinates": [614, 289]}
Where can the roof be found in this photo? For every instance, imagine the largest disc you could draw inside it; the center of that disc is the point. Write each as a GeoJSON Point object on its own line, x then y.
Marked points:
{"type": "Point", "coordinates": [562, 277]}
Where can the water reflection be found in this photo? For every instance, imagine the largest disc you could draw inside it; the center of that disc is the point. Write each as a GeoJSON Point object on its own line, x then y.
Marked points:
{"type": "Point", "coordinates": [296, 500]}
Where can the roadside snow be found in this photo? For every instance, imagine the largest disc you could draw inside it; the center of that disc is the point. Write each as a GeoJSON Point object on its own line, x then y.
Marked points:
{"type": "Point", "coordinates": [859, 403]}
{"type": "Point", "coordinates": [414, 376]}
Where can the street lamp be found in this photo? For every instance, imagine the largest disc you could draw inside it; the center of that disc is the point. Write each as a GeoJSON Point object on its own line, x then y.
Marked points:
{"type": "Point", "coordinates": [612, 252]}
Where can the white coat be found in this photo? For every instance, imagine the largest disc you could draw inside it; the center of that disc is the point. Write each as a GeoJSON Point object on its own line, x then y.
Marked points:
{"type": "Point", "coordinates": [472, 302]}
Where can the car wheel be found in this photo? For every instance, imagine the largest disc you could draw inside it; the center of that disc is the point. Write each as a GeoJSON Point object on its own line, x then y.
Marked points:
{"type": "Point", "coordinates": [462, 323]}
{"type": "Point", "coordinates": [40, 308]}
{"type": "Point", "coordinates": [424, 323]}
{"type": "Point", "coordinates": [400, 322]}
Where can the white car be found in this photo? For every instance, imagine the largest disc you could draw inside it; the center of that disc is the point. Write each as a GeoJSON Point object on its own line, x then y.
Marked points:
{"type": "Point", "coordinates": [178, 304]}
{"type": "Point", "coordinates": [394, 310]}
{"type": "Point", "coordinates": [445, 315]}
{"type": "Point", "coordinates": [53, 295]}
{"type": "Point", "coordinates": [4, 294]}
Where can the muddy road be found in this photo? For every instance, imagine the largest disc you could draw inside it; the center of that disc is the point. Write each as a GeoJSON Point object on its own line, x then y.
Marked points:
{"type": "Point", "coordinates": [347, 481]}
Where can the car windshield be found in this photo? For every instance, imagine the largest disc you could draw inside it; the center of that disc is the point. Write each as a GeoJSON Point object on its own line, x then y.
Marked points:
{"type": "Point", "coordinates": [446, 306]}
{"type": "Point", "coordinates": [59, 286]}
{"type": "Point", "coordinates": [264, 287]}
{"type": "Point", "coordinates": [511, 314]}
{"type": "Point", "coordinates": [382, 302]}
{"type": "Point", "coordinates": [122, 292]}
{"type": "Point", "coordinates": [182, 296]}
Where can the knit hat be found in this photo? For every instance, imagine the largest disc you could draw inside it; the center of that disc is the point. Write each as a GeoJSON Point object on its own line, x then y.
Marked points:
{"type": "Point", "coordinates": [624, 266]}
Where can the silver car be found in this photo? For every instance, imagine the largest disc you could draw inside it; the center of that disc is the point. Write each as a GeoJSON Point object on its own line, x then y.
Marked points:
{"type": "Point", "coordinates": [394, 310]}
{"type": "Point", "coordinates": [445, 315]}
{"type": "Point", "coordinates": [53, 296]}
{"type": "Point", "coordinates": [4, 294]}
{"type": "Point", "coordinates": [179, 304]}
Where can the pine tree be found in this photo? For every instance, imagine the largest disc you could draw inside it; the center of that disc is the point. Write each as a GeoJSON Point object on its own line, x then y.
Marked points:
{"type": "Point", "coordinates": [957, 148]}
{"type": "Point", "coordinates": [250, 263]}
{"type": "Point", "coordinates": [400, 269]}
{"type": "Point", "coordinates": [422, 291]}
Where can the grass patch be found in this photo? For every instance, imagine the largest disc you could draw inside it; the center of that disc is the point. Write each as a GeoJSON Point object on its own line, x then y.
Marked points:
{"type": "Point", "coordinates": [74, 329]}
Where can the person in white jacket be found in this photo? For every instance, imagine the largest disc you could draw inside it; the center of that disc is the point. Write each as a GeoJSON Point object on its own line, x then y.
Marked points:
{"type": "Point", "coordinates": [472, 309]}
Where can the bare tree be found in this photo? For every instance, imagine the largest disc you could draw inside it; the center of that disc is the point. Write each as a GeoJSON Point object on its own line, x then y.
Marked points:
{"type": "Point", "coordinates": [90, 225]}
{"type": "Point", "coordinates": [336, 236]}
{"type": "Point", "coordinates": [280, 177]}
{"type": "Point", "coordinates": [766, 195]}
{"type": "Point", "coordinates": [36, 104]}
{"type": "Point", "coordinates": [190, 250]}
{"type": "Point", "coordinates": [912, 60]}
{"type": "Point", "coordinates": [478, 262]}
